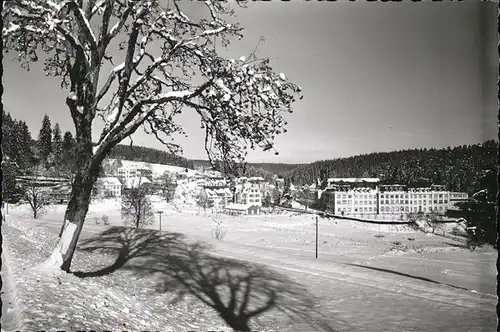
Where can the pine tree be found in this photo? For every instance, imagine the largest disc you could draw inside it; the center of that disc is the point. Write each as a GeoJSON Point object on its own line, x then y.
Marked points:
{"type": "Point", "coordinates": [287, 193]}
{"type": "Point", "coordinates": [45, 139]}
{"type": "Point", "coordinates": [57, 142]}
{"type": "Point", "coordinates": [26, 158]}
{"type": "Point", "coordinates": [68, 152]}
{"type": "Point", "coordinates": [7, 134]}
{"type": "Point", "coordinates": [479, 211]}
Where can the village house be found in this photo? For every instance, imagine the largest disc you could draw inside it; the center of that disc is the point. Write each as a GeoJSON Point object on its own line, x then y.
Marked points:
{"type": "Point", "coordinates": [137, 182]}
{"type": "Point", "coordinates": [215, 196]}
{"type": "Point", "coordinates": [108, 187]}
{"type": "Point", "coordinates": [124, 174]}
{"type": "Point", "coordinates": [250, 195]}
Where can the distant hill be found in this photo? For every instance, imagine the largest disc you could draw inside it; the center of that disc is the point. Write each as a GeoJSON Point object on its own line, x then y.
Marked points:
{"type": "Point", "coordinates": [148, 155]}
{"type": "Point", "coordinates": [458, 168]}
{"type": "Point", "coordinates": [264, 168]}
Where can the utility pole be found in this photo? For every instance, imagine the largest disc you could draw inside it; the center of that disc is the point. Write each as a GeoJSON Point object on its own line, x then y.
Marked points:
{"type": "Point", "coordinates": [160, 212]}
{"type": "Point", "coordinates": [316, 236]}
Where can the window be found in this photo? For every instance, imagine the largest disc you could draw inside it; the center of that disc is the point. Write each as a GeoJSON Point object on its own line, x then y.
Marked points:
{"type": "Point", "coordinates": [406, 201]}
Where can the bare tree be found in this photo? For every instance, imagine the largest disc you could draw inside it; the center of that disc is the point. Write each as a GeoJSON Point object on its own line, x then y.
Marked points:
{"type": "Point", "coordinates": [137, 210]}
{"type": "Point", "coordinates": [36, 195]}
{"type": "Point", "coordinates": [168, 185]}
{"type": "Point", "coordinates": [165, 63]}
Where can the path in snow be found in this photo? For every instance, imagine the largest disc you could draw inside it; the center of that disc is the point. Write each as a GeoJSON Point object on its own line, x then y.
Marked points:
{"type": "Point", "coordinates": [12, 316]}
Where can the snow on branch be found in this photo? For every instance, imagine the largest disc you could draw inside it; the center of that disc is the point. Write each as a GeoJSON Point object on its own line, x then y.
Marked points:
{"type": "Point", "coordinates": [84, 24]}
{"type": "Point", "coordinates": [241, 103]}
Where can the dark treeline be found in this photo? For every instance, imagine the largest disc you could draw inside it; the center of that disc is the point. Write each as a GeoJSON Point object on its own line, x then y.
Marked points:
{"type": "Point", "coordinates": [52, 153]}
{"type": "Point", "coordinates": [458, 168]}
{"type": "Point", "coordinates": [149, 155]}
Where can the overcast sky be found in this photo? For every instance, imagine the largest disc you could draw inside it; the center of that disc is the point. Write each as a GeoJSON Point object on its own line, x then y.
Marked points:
{"type": "Point", "coordinates": [376, 77]}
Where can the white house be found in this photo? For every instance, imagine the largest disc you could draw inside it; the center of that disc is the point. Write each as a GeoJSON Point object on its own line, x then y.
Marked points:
{"type": "Point", "coordinates": [108, 186]}
{"type": "Point", "coordinates": [136, 182]}
{"type": "Point", "coordinates": [215, 196]}
{"type": "Point", "coordinates": [249, 195]}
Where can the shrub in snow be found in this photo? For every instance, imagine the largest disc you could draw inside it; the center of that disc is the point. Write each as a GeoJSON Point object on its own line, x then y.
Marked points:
{"type": "Point", "coordinates": [217, 232]}
{"type": "Point", "coordinates": [105, 219]}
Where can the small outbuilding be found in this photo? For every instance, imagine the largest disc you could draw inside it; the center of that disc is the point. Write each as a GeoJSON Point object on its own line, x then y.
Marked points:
{"type": "Point", "coordinates": [242, 209]}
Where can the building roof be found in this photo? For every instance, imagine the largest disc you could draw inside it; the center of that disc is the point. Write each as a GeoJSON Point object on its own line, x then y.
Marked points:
{"type": "Point", "coordinates": [354, 180]}
{"type": "Point", "coordinates": [217, 192]}
{"type": "Point", "coordinates": [110, 180]}
{"type": "Point", "coordinates": [237, 206]}
{"type": "Point", "coordinates": [135, 181]}
{"type": "Point", "coordinates": [256, 178]}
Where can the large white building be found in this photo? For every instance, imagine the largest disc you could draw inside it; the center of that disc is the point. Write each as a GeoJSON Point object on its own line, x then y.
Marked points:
{"type": "Point", "coordinates": [366, 196]}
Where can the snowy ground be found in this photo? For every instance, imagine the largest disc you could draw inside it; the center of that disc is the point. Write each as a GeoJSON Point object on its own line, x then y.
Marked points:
{"type": "Point", "coordinates": [367, 277]}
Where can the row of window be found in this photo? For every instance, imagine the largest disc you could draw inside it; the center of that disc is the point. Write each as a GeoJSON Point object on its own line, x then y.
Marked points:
{"type": "Point", "coordinates": [345, 196]}
{"type": "Point", "coordinates": [361, 209]}
{"type": "Point", "coordinates": [418, 196]}
{"type": "Point", "coordinates": [410, 209]}
{"type": "Point", "coordinates": [387, 202]}
{"type": "Point", "coordinates": [413, 202]}
{"type": "Point", "coordinates": [391, 209]}
{"type": "Point", "coordinates": [356, 202]}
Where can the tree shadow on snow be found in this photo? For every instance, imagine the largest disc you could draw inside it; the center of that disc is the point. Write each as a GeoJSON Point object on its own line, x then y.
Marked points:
{"type": "Point", "coordinates": [405, 275]}
{"type": "Point", "coordinates": [237, 290]}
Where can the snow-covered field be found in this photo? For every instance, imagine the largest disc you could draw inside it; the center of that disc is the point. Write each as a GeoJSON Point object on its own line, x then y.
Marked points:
{"type": "Point", "coordinates": [370, 277]}
{"type": "Point", "coordinates": [156, 168]}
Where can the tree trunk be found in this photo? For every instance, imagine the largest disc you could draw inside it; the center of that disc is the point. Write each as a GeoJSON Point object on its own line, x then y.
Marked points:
{"type": "Point", "coordinates": [239, 324]}
{"type": "Point", "coordinates": [73, 221]}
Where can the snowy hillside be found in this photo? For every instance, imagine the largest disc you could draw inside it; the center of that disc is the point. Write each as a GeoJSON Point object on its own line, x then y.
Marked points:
{"type": "Point", "coordinates": [156, 168]}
